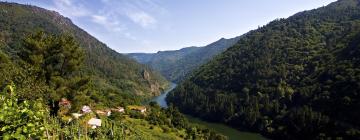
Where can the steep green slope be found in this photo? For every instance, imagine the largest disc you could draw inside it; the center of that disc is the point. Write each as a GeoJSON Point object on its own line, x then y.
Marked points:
{"type": "Point", "coordinates": [175, 65]}
{"type": "Point", "coordinates": [295, 78]}
{"type": "Point", "coordinates": [106, 67]}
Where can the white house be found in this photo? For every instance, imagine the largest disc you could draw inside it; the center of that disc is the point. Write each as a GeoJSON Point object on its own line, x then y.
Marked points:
{"type": "Point", "coordinates": [143, 110]}
{"type": "Point", "coordinates": [103, 112]}
{"type": "Point", "coordinates": [76, 115]}
{"type": "Point", "coordinates": [93, 122]}
{"type": "Point", "coordinates": [86, 109]}
{"type": "Point", "coordinates": [119, 109]}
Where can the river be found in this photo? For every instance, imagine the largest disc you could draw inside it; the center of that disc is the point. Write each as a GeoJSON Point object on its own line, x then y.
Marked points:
{"type": "Point", "coordinates": [231, 133]}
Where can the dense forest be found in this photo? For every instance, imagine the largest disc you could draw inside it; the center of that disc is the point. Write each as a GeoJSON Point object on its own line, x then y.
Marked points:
{"type": "Point", "coordinates": [112, 75]}
{"type": "Point", "coordinates": [294, 78]}
{"type": "Point", "coordinates": [176, 65]}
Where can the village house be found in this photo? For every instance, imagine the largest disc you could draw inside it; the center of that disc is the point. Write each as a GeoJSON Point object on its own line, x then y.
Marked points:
{"type": "Point", "coordinates": [94, 122]}
{"type": "Point", "coordinates": [86, 109]}
{"type": "Point", "coordinates": [118, 109]}
{"type": "Point", "coordinates": [76, 115]}
{"type": "Point", "coordinates": [141, 109]}
{"type": "Point", "coordinates": [103, 112]}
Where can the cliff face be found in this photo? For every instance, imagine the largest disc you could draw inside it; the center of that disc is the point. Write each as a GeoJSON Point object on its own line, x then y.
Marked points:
{"type": "Point", "coordinates": [155, 87]}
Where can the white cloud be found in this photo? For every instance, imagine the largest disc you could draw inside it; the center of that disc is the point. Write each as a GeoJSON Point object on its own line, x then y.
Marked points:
{"type": "Point", "coordinates": [99, 19]}
{"type": "Point", "coordinates": [146, 42]}
{"type": "Point", "coordinates": [70, 9]}
{"type": "Point", "coordinates": [77, 9]}
{"type": "Point", "coordinates": [130, 36]}
{"type": "Point", "coordinates": [140, 12]}
{"type": "Point", "coordinates": [112, 26]}
{"type": "Point", "coordinates": [105, 1]}
{"type": "Point", "coordinates": [107, 23]}
{"type": "Point", "coordinates": [116, 17]}
{"type": "Point", "coordinates": [67, 2]}
{"type": "Point", "coordinates": [142, 18]}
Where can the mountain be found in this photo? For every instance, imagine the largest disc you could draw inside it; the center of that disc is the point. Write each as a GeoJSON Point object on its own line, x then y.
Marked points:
{"type": "Point", "coordinates": [62, 83]}
{"type": "Point", "coordinates": [175, 65]}
{"type": "Point", "coordinates": [295, 78]}
{"type": "Point", "coordinates": [108, 69]}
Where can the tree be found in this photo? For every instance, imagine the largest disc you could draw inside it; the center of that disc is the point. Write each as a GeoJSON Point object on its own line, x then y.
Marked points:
{"type": "Point", "coordinates": [53, 56]}
{"type": "Point", "coordinates": [55, 61]}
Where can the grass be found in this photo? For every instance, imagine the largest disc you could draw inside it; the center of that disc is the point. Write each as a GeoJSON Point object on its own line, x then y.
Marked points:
{"type": "Point", "coordinates": [152, 132]}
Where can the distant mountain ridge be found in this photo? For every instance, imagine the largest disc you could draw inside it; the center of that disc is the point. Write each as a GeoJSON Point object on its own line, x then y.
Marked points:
{"type": "Point", "coordinates": [108, 68]}
{"type": "Point", "coordinates": [171, 55]}
{"type": "Point", "coordinates": [176, 64]}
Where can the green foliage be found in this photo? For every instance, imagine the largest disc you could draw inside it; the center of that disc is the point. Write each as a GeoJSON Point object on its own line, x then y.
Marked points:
{"type": "Point", "coordinates": [20, 74]}
{"type": "Point", "coordinates": [295, 78]}
{"type": "Point", "coordinates": [20, 119]}
{"type": "Point", "coordinates": [31, 120]}
{"type": "Point", "coordinates": [52, 56]}
{"type": "Point", "coordinates": [54, 59]}
{"type": "Point", "coordinates": [172, 118]}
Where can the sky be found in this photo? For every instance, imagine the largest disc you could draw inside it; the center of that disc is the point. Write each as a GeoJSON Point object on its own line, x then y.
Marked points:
{"type": "Point", "coordinates": [129, 26]}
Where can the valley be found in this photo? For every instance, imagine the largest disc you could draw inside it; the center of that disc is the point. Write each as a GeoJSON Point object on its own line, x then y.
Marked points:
{"type": "Point", "coordinates": [293, 78]}
{"type": "Point", "coordinates": [177, 64]}
{"type": "Point", "coordinates": [231, 133]}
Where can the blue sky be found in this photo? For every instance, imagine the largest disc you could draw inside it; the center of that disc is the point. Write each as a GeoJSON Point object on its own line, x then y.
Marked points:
{"type": "Point", "coordinates": [154, 25]}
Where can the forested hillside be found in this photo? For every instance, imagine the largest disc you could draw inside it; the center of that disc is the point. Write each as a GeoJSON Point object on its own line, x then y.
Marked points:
{"type": "Point", "coordinates": [295, 78]}
{"type": "Point", "coordinates": [31, 119]}
{"type": "Point", "coordinates": [58, 82]}
{"type": "Point", "coordinates": [111, 73]}
{"type": "Point", "coordinates": [175, 65]}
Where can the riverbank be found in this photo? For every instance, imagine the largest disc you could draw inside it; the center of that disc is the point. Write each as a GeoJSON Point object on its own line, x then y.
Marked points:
{"type": "Point", "coordinates": [231, 133]}
{"type": "Point", "coordinates": [161, 98]}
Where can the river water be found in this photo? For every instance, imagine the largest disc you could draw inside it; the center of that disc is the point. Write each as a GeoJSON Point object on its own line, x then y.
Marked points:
{"type": "Point", "coordinates": [231, 133]}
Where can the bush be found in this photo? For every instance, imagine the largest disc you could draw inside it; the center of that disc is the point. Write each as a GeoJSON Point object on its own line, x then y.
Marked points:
{"type": "Point", "coordinates": [20, 120]}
